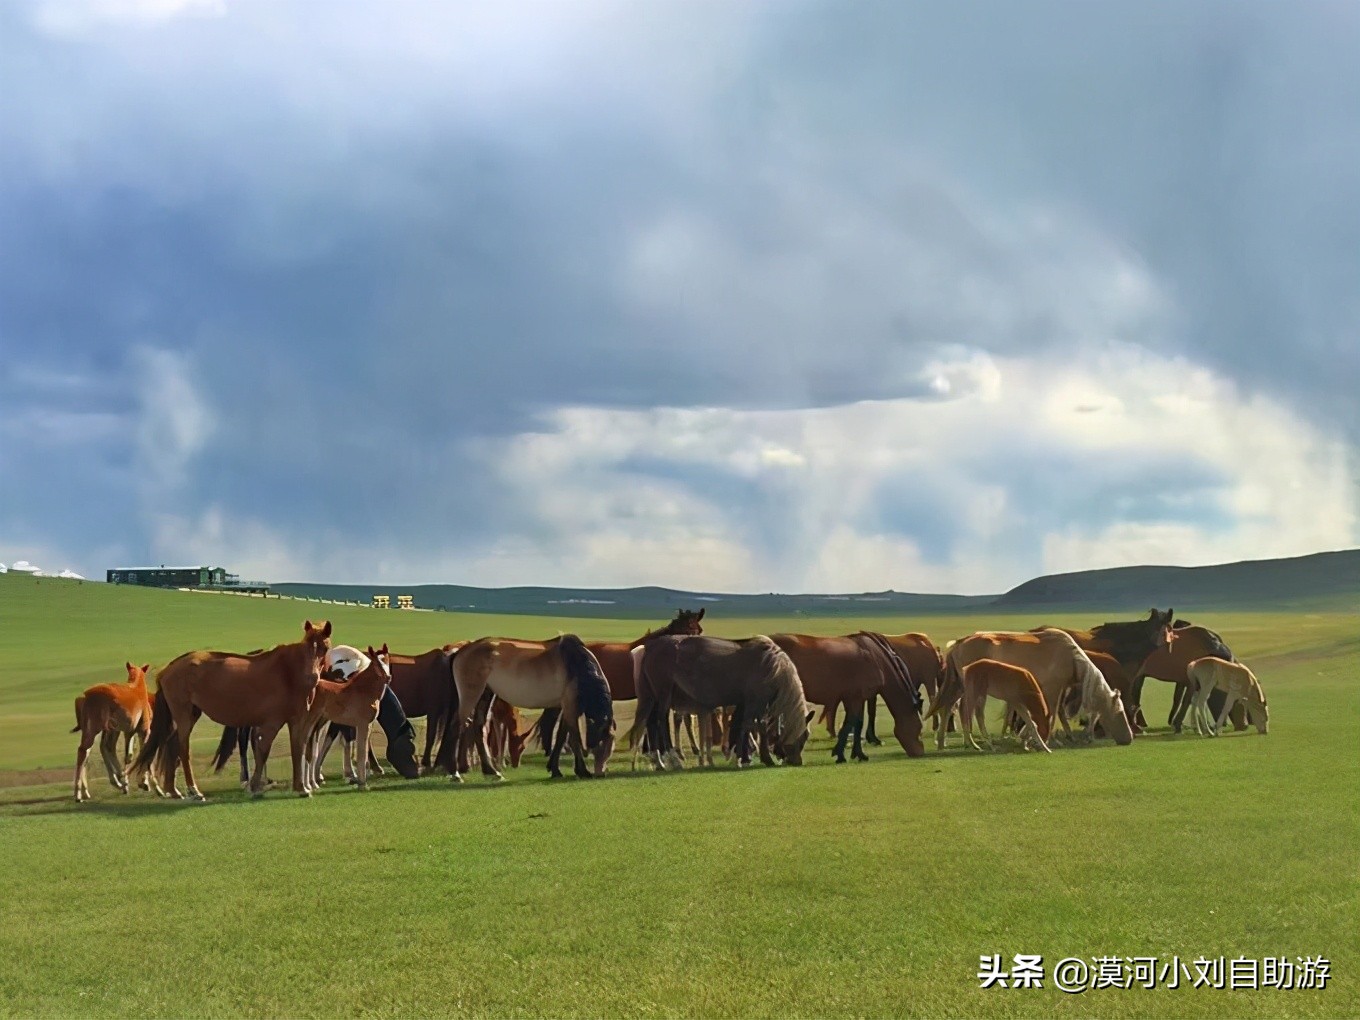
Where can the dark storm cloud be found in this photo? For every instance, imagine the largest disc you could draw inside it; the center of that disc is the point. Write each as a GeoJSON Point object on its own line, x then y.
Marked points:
{"type": "Point", "coordinates": [370, 243]}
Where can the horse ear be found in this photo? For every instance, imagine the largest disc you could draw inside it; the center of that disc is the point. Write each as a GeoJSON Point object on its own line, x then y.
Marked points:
{"type": "Point", "coordinates": [146, 669]}
{"type": "Point", "coordinates": [130, 666]}
{"type": "Point", "coordinates": [384, 649]}
{"type": "Point", "coordinates": [370, 652]}
{"type": "Point", "coordinates": [808, 720]}
{"type": "Point", "coordinates": [306, 626]}
{"type": "Point", "coordinates": [702, 611]}
{"type": "Point", "coordinates": [326, 630]}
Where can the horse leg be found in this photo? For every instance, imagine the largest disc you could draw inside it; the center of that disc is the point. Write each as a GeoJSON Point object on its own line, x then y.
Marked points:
{"type": "Point", "coordinates": [361, 738]}
{"type": "Point", "coordinates": [555, 754]}
{"type": "Point", "coordinates": [689, 732]}
{"type": "Point", "coordinates": [674, 741]}
{"type": "Point", "coordinates": [870, 736]}
{"type": "Point", "coordinates": [574, 736]}
{"type": "Point", "coordinates": [184, 727]}
{"type": "Point", "coordinates": [108, 750]}
{"type": "Point", "coordinates": [479, 729]}
{"type": "Point", "coordinates": [1228, 702]}
{"type": "Point", "coordinates": [1184, 692]}
{"type": "Point", "coordinates": [242, 747]}
{"type": "Point", "coordinates": [838, 752]}
{"type": "Point", "coordinates": [297, 747]}
{"type": "Point", "coordinates": [980, 714]}
{"type": "Point", "coordinates": [857, 749]}
{"type": "Point", "coordinates": [82, 790]}
{"type": "Point", "coordinates": [264, 743]}
{"type": "Point", "coordinates": [1032, 728]}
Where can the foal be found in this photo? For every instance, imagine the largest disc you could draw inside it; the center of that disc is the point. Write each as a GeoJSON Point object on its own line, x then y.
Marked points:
{"type": "Point", "coordinates": [108, 711]}
{"type": "Point", "coordinates": [1015, 686]}
{"type": "Point", "coordinates": [353, 703]}
{"type": "Point", "coordinates": [1234, 679]}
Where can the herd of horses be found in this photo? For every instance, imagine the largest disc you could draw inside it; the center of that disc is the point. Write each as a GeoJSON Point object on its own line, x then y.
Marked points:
{"type": "Point", "coordinates": [749, 697]}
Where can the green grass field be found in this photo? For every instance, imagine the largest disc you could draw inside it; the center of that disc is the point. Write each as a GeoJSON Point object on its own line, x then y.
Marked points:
{"type": "Point", "coordinates": [862, 889]}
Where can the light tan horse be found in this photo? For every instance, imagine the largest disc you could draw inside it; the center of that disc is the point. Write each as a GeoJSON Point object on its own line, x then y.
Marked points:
{"type": "Point", "coordinates": [1015, 686]}
{"type": "Point", "coordinates": [107, 711]}
{"type": "Point", "coordinates": [1056, 662]}
{"type": "Point", "coordinates": [268, 690]}
{"type": "Point", "coordinates": [561, 673]}
{"type": "Point", "coordinates": [1237, 682]}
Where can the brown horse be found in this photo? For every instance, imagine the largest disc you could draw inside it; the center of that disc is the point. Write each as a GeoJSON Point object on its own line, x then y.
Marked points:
{"type": "Point", "coordinates": [925, 666]}
{"type": "Point", "coordinates": [853, 671]}
{"type": "Point", "coordinates": [1057, 663]}
{"type": "Point", "coordinates": [424, 686]}
{"type": "Point", "coordinates": [755, 675]}
{"type": "Point", "coordinates": [561, 673]}
{"type": "Point", "coordinates": [1171, 664]}
{"type": "Point", "coordinates": [351, 702]}
{"type": "Point", "coordinates": [1014, 685]}
{"type": "Point", "coordinates": [107, 711]}
{"type": "Point", "coordinates": [268, 690]}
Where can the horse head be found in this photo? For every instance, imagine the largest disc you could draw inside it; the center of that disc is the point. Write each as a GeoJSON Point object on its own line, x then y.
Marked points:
{"type": "Point", "coordinates": [137, 675]}
{"type": "Point", "coordinates": [600, 739]}
{"type": "Point", "coordinates": [1162, 626]}
{"type": "Point", "coordinates": [686, 623]}
{"type": "Point", "coordinates": [787, 744]}
{"type": "Point", "coordinates": [1116, 720]}
{"type": "Point", "coordinates": [318, 642]}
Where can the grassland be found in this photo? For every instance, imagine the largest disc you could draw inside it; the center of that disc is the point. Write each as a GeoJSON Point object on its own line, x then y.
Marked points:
{"type": "Point", "coordinates": [864, 889]}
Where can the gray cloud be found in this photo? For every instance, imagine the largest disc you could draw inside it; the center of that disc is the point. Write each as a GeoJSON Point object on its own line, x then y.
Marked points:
{"type": "Point", "coordinates": [377, 245]}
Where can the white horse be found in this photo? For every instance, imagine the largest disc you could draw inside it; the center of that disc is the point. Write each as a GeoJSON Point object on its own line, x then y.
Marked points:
{"type": "Point", "coordinates": [1237, 682]}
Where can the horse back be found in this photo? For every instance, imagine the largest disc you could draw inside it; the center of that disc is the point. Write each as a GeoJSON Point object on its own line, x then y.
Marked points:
{"type": "Point", "coordinates": [616, 659]}
{"type": "Point", "coordinates": [831, 668]}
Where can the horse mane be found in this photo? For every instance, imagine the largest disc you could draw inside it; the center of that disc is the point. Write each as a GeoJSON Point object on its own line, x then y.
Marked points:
{"type": "Point", "coordinates": [1096, 691]}
{"type": "Point", "coordinates": [787, 704]}
{"type": "Point", "coordinates": [592, 688]}
{"type": "Point", "coordinates": [898, 667]}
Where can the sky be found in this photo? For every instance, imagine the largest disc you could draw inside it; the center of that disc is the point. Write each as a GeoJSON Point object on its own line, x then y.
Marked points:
{"type": "Point", "coordinates": [785, 296]}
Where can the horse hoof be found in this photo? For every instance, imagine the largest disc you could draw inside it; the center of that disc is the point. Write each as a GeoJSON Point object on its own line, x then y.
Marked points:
{"type": "Point", "coordinates": [456, 778]}
{"type": "Point", "coordinates": [197, 797]}
{"type": "Point", "coordinates": [303, 793]}
{"type": "Point", "coordinates": [361, 787]}
{"type": "Point", "coordinates": [555, 774]}
{"type": "Point", "coordinates": [584, 775]}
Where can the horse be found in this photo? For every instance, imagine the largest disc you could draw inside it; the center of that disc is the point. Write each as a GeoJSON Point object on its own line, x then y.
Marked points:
{"type": "Point", "coordinates": [1055, 660]}
{"type": "Point", "coordinates": [107, 711]}
{"type": "Point", "coordinates": [1172, 663]}
{"type": "Point", "coordinates": [852, 671]}
{"type": "Point", "coordinates": [268, 690]}
{"type": "Point", "coordinates": [353, 702]}
{"type": "Point", "coordinates": [1014, 685]}
{"type": "Point", "coordinates": [755, 675]}
{"type": "Point", "coordinates": [424, 686]}
{"type": "Point", "coordinates": [561, 673]}
{"type": "Point", "coordinates": [1238, 684]}
{"type": "Point", "coordinates": [925, 666]}
{"type": "Point", "coordinates": [1118, 680]}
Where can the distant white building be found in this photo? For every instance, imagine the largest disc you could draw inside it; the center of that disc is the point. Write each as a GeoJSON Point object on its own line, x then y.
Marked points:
{"type": "Point", "coordinates": [4, 569]}
{"type": "Point", "coordinates": [24, 567]}
{"type": "Point", "coordinates": [71, 575]}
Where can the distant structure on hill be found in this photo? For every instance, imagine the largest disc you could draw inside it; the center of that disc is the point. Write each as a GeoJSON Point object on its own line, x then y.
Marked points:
{"type": "Point", "coordinates": [212, 578]}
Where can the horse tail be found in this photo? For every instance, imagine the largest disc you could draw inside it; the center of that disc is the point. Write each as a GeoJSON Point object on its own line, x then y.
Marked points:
{"type": "Point", "coordinates": [951, 686]}
{"type": "Point", "coordinates": [592, 687]}
{"type": "Point", "coordinates": [231, 736]}
{"type": "Point", "coordinates": [162, 732]}
{"type": "Point", "coordinates": [80, 714]}
{"type": "Point", "coordinates": [788, 704]}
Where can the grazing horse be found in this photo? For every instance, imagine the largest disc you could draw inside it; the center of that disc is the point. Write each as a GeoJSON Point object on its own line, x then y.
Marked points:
{"type": "Point", "coordinates": [353, 702]}
{"type": "Point", "coordinates": [755, 675]}
{"type": "Point", "coordinates": [1055, 660]}
{"type": "Point", "coordinates": [1014, 685]}
{"type": "Point", "coordinates": [268, 690]}
{"type": "Point", "coordinates": [615, 658]}
{"type": "Point", "coordinates": [107, 711]}
{"type": "Point", "coordinates": [1118, 680]}
{"type": "Point", "coordinates": [852, 671]}
{"type": "Point", "coordinates": [424, 686]}
{"type": "Point", "coordinates": [1172, 664]}
{"type": "Point", "coordinates": [1238, 684]}
{"type": "Point", "coordinates": [561, 673]}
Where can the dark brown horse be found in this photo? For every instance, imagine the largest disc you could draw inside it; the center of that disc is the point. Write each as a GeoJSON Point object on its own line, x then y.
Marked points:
{"type": "Point", "coordinates": [424, 686]}
{"type": "Point", "coordinates": [754, 675]}
{"type": "Point", "coordinates": [853, 671]}
{"type": "Point", "coordinates": [270, 690]}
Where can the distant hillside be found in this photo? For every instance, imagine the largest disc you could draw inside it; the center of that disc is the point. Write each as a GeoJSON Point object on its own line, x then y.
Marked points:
{"type": "Point", "coordinates": [640, 603]}
{"type": "Point", "coordinates": [1324, 578]}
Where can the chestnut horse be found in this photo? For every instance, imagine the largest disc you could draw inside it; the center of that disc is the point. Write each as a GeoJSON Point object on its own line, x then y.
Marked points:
{"type": "Point", "coordinates": [352, 702]}
{"type": "Point", "coordinates": [852, 671]}
{"type": "Point", "coordinates": [268, 690]}
{"type": "Point", "coordinates": [561, 673]}
{"type": "Point", "coordinates": [1014, 685]}
{"type": "Point", "coordinates": [107, 711]}
{"type": "Point", "coordinates": [925, 666]}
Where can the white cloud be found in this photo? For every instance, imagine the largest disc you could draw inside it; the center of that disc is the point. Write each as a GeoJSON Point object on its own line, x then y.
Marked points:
{"type": "Point", "coordinates": [174, 421]}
